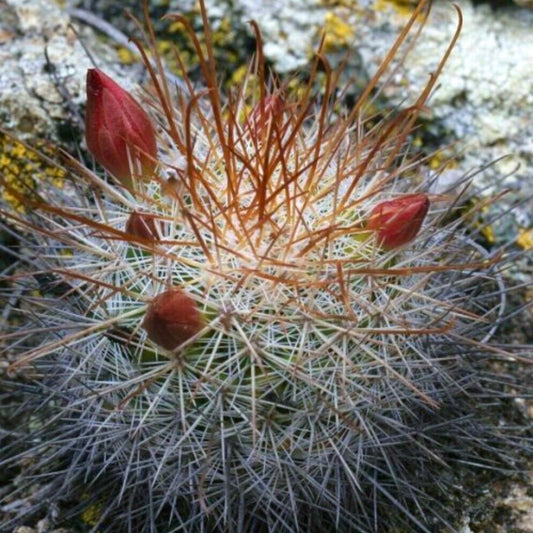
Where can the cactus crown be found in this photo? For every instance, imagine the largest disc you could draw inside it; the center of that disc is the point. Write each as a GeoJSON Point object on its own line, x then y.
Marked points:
{"type": "Point", "coordinates": [310, 368]}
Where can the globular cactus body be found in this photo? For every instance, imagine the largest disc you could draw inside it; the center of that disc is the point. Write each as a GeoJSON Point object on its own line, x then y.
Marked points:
{"type": "Point", "coordinates": [237, 343]}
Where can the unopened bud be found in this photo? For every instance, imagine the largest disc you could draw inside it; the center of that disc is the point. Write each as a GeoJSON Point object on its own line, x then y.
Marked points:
{"type": "Point", "coordinates": [142, 226]}
{"type": "Point", "coordinates": [398, 221]}
{"type": "Point", "coordinates": [172, 319]}
{"type": "Point", "coordinates": [263, 115]}
{"type": "Point", "coordinates": [119, 133]}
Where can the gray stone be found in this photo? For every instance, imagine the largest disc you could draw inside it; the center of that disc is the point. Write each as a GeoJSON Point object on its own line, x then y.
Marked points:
{"type": "Point", "coordinates": [43, 66]}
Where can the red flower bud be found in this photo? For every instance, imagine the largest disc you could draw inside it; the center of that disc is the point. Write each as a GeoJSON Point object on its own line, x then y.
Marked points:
{"type": "Point", "coordinates": [119, 133]}
{"type": "Point", "coordinates": [172, 318]}
{"type": "Point", "coordinates": [398, 221]}
{"type": "Point", "coordinates": [263, 114]}
{"type": "Point", "coordinates": [142, 226]}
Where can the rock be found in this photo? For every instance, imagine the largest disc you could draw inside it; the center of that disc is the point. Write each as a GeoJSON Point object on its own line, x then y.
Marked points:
{"type": "Point", "coordinates": [520, 503]}
{"type": "Point", "coordinates": [524, 3]}
{"type": "Point", "coordinates": [483, 99]}
{"type": "Point", "coordinates": [42, 68]}
{"type": "Point", "coordinates": [486, 90]}
{"type": "Point", "coordinates": [290, 28]}
{"type": "Point", "coordinates": [44, 526]}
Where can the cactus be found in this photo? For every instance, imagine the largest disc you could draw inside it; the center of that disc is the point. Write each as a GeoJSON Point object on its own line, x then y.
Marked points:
{"type": "Point", "coordinates": [275, 330]}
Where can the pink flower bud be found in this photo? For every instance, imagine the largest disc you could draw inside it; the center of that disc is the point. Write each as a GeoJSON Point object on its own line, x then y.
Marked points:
{"type": "Point", "coordinates": [172, 318]}
{"type": "Point", "coordinates": [142, 226]}
{"type": "Point", "coordinates": [398, 221]}
{"type": "Point", "coordinates": [119, 133]}
{"type": "Point", "coordinates": [263, 114]}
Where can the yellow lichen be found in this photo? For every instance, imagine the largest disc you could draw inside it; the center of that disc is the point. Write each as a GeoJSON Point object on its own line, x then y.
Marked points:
{"type": "Point", "coordinates": [175, 27]}
{"type": "Point", "coordinates": [486, 229]}
{"type": "Point", "coordinates": [525, 238]}
{"type": "Point", "coordinates": [239, 74]}
{"type": "Point", "coordinates": [92, 514]}
{"type": "Point", "coordinates": [223, 33]}
{"type": "Point", "coordinates": [402, 7]}
{"type": "Point", "coordinates": [339, 3]}
{"type": "Point", "coordinates": [439, 160]}
{"type": "Point", "coordinates": [296, 87]}
{"type": "Point", "coordinates": [338, 33]}
{"type": "Point", "coordinates": [488, 233]}
{"type": "Point", "coordinates": [126, 56]}
{"type": "Point", "coordinates": [165, 46]}
{"type": "Point", "coordinates": [21, 168]}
